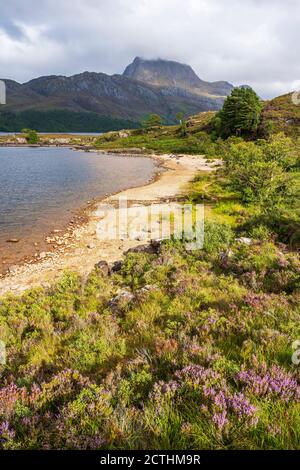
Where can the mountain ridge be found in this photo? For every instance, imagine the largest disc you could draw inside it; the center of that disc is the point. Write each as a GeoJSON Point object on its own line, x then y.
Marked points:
{"type": "Point", "coordinates": [173, 87]}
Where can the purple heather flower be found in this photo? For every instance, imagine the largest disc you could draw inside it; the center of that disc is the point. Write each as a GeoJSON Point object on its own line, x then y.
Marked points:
{"type": "Point", "coordinates": [275, 381]}
{"type": "Point", "coordinates": [217, 400]}
{"type": "Point", "coordinates": [220, 420]}
{"type": "Point", "coordinates": [5, 431]}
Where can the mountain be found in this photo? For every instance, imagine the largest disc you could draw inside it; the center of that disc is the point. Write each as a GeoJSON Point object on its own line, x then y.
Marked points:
{"type": "Point", "coordinates": [168, 74]}
{"type": "Point", "coordinates": [146, 86]}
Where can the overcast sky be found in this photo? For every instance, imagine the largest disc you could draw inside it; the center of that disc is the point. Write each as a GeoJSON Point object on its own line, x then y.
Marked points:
{"type": "Point", "coordinates": [255, 42]}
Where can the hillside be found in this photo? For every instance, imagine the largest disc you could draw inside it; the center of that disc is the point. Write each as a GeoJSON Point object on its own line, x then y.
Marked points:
{"type": "Point", "coordinates": [278, 115]}
{"type": "Point", "coordinates": [161, 139]}
{"type": "Point", "coordinates": [128, 96]}
{"type": "Point", "coordinates": [283, 114]}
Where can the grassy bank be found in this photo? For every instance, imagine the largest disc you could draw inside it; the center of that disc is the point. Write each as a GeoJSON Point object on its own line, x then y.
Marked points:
{"type": "Point", "coordinates": [165, 139]}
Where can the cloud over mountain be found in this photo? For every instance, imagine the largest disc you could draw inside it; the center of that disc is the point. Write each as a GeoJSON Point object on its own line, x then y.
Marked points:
{"type": "Point", "coordinates": [254, 41]}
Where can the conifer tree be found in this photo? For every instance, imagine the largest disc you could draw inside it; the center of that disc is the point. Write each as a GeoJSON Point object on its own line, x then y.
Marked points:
{"type": "Point", "coordinates": [240, 114]}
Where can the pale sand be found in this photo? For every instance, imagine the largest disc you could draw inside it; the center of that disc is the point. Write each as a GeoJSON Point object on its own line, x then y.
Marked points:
{"type": "Point", "coordinates": [83, 250]}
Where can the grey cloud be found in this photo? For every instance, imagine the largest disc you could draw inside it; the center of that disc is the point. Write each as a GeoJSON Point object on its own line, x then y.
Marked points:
{"type": "Point", "coordinates": [254, 41]}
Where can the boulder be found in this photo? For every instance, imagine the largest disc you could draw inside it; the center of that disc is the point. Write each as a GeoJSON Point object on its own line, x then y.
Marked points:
{"type": "Point", "coordinates": [142, 249]}
{"type": "Point", "coordinates": [123, 134]}
{"type": "Point", "coordinates": [156, 242]}
{"type": "Point", "coordinates": [116, 266]}
{"type": "Point", "coordinates": [123, 295]}
{"type": "Point", "coordinates": [21, 140]}
{"type": "Point", "coordinates": [103, 267]}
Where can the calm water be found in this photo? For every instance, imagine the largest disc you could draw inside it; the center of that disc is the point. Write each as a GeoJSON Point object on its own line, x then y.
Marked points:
{"type": "Point", "coordinates": [40, 188]}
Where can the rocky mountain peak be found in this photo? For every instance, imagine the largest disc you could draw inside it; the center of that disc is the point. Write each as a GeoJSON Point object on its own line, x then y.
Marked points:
{"type": "Point", "coordinates": [161, 72]}
{"type": "Point", "coordinates": [173, 75]}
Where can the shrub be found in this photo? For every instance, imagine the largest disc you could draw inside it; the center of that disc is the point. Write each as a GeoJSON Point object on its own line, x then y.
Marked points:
{"type": "Point", "coordinates": [217, 237]}
{"type": "Point", "coordinates": [31, 136]}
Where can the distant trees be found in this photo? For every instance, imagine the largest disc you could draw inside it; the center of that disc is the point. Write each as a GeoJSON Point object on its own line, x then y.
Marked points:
{"type": "Point", "coordinates": [180, 116]}
{"type": "Point", "coordinates": [31, 136]}
{"type": "Point", "coordinates": [62, 120]}
{"type": "Point", "coordinates": [240, 115]}
{"type": "Point", "coordinates": [153, 120]}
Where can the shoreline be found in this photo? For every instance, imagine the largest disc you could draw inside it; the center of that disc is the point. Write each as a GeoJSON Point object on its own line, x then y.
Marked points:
{"type": "Point", "coordinates": [79, 216]}
{"type": "Point", "coordinates": [176, 171]}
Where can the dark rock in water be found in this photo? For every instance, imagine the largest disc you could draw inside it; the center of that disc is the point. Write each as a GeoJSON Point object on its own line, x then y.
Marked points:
{"type": "Point", "coordinates": [103, 267]}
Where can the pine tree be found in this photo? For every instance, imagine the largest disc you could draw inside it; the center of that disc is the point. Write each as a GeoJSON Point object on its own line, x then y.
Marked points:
{"type": "Point", "coordinates": [240, 114]}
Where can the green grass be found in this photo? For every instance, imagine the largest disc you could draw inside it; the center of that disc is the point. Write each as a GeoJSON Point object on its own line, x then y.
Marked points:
{"type": "Point", "coordinates": [165, 138]}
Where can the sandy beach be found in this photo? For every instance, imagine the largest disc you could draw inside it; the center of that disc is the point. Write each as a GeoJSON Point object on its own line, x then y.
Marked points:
{"type": "Point", "coordinates": [80, 248]}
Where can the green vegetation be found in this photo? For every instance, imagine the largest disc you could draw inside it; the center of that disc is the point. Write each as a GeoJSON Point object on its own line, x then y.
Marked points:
{"type": "Point", "coordinates": [61, 121]}
{"type": "Point", "coordinates": [240, 114]}
{"type": "Point", "coordinates": [188, 137]}
{"type": "Point", "coordinates": [31, 136]}
{"type": "Point", "coordinates": [153, 120]}
{"type": "Point", "coordinates": [177, 349]}
{"type": "Point", "coordinates": [281, 114]}
{"type": "Point", "coordinates": [258, 171]}
{"type": "Point", "coordinates": [183, 125]}
{"type": "Point", "coordinates": [258, 188]}
{"type": "Point", "coordinates": [243, 114]}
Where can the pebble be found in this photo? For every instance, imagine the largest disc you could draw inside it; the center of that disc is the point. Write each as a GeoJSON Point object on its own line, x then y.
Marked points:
{"type": "Point", "coordinates": [245, 240]}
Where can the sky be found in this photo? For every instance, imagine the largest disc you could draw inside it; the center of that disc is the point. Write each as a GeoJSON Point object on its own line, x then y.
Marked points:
{"type": "Point", "coordinates": [254, 42]}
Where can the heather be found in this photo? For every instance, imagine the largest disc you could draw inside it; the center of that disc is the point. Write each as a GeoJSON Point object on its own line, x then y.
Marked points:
{"type": "Point", "coordinates": [177, 350]}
